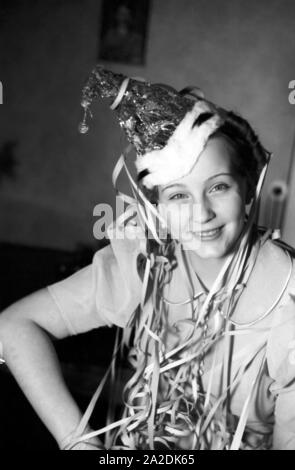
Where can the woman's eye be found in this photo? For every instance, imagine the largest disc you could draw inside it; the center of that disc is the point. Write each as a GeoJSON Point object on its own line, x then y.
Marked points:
{"type": "Point", "coordinates": [177, 196]}
{"type": "Point", "coordinates": [219, 187]}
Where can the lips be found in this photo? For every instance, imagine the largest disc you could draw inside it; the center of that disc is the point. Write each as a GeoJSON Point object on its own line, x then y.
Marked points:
{"type": "Point", "coordinates": [209, 234]}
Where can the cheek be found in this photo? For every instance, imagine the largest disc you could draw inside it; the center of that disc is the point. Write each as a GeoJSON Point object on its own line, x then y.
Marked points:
{"type": "Point", "coordinates": [232, 209]}
{"type": "Point", "coordinates": [177, 216]}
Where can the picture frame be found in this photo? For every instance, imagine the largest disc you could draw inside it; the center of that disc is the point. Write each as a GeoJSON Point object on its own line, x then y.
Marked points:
{"type": "Point", "coordinates": [123, 31]}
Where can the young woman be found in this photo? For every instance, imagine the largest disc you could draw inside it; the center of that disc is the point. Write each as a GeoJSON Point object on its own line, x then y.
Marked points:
{"type": "Point", "coordinates": [203, 295]}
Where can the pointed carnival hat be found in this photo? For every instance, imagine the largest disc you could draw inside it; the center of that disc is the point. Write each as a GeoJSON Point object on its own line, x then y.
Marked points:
{"type": "Point", "coordinates": [168, 130]}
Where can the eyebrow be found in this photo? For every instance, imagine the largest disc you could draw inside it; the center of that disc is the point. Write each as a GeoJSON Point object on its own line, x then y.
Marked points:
{"type": "Point", "coordinates": [180, 185]}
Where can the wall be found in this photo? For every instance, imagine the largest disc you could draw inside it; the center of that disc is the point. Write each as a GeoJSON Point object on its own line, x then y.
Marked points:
{"type": "Point", "coordinates": [241, 53]}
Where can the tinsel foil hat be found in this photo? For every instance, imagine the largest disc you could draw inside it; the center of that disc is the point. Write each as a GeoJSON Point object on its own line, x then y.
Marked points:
{"type": "Point", "coordinates": [168, 130]}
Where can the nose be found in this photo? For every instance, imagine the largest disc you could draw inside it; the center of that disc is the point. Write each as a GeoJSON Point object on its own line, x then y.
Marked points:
{"type": "Point", "coordinates": [203, 211]}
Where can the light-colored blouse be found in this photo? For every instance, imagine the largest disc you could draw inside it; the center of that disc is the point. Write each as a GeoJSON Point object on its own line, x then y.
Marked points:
{"type": "Point", "coordinates": [109, 291]}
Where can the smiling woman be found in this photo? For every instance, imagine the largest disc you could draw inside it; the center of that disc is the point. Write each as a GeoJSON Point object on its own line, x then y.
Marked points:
{"type": "Point", "coordinates": [206, 306]}
{"type": "Point", "coordinates": [206, 209]}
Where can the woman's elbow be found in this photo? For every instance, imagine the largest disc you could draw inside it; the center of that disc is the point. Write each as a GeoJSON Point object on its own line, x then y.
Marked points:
{"type": "Point", "coordinates": [35, 310]}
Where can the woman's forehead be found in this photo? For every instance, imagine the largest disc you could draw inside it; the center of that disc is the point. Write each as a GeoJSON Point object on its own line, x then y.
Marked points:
{"type": "Point", "coordinates": [216, 159]}
{"type": "Point", "coordinates": [217, 154]}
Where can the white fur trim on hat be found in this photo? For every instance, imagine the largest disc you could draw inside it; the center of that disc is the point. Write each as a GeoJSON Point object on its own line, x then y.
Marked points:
{"type": "Point", "coordinates": [182, 150]}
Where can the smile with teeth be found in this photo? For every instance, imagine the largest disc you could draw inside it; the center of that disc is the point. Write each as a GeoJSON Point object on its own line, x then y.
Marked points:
{"type": "Point", "coordinates": [209, 234]}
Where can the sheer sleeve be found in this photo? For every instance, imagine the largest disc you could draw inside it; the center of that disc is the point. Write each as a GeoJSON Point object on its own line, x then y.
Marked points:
{"type": "Point", "coordinates": [105, 293]}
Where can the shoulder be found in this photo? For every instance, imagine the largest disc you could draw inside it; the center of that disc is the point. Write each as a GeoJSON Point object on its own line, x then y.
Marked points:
{"type": "Point", "coordinates": [278, 243]}
{"type": "Point", "coordinates": [105, 292]}
{"type": "Point", "coordinates": [119, 260]}
{"type": "Point", "coordinates": [117, 281]}
{"type": "Point", "coordinates": [276, 270]}
{"type": "Point", "coordinates": [269, 281]}
{"type": "Point", "coordinates": [276, 251]}
{"type": "Point", "coordinates": [275, 264]}
{"type": "Point", "coordinates": [281, 340]}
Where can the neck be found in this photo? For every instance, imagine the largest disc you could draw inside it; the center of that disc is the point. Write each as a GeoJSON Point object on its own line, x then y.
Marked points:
{"type": "Point", "coordinates": [206, 269]}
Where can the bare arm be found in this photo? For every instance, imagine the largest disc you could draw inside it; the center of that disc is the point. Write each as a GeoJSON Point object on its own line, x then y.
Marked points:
{"type": "Point", "coordinates": [25, 329]}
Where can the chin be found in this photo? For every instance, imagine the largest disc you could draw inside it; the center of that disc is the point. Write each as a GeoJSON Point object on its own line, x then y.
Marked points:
{"type": "Point", "coordinates": [208, 250]}
{"type": "Point", "coordinates": [209, 254]}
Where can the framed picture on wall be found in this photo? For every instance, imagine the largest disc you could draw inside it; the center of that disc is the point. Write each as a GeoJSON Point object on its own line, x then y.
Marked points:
{"type": "Point", "coordinates": [123, 31]}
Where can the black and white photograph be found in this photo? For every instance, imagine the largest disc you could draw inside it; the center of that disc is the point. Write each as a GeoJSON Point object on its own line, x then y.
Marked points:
{"type": "Point", "coordinates": [147, 228]}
